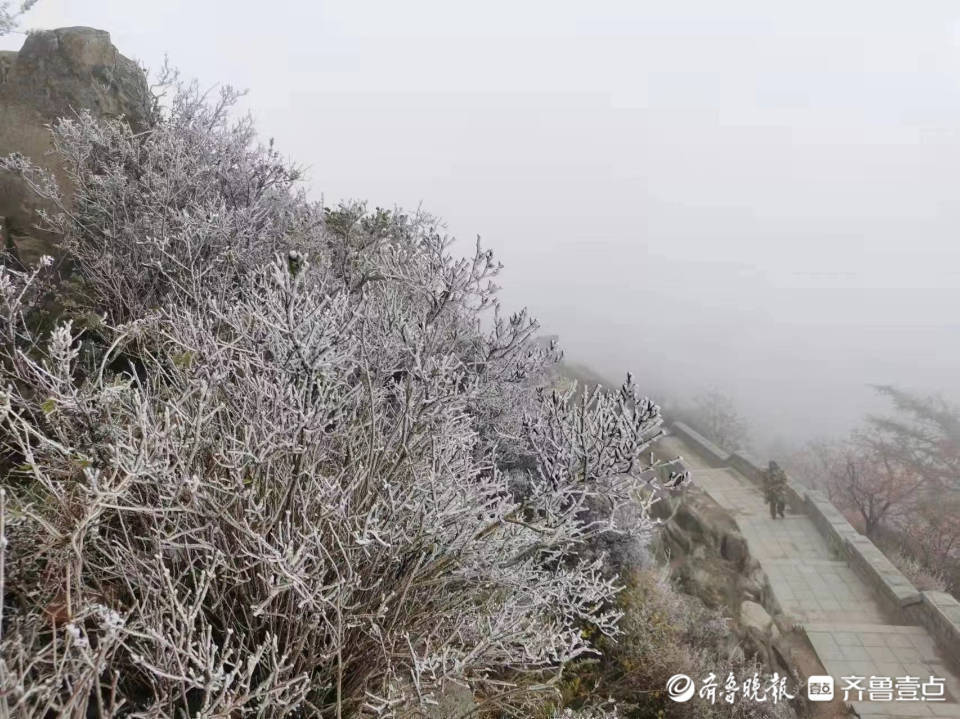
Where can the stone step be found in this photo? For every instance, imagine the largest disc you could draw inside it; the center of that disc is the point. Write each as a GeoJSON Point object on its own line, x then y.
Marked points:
{"type": "Point", "coordinates": [813, 591]}
{"type": "Point", "coordinates": [860, 627]}
{"type": "Point", "coordinates": [805, 562]}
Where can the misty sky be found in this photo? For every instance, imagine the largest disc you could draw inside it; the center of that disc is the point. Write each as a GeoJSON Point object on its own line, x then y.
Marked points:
{"type": "Point", "coordinates": [758, 197]}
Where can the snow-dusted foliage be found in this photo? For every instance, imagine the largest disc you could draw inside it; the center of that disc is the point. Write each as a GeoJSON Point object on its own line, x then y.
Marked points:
{"type": "Point", "coordinates": [597, 713]}
{"type": "Point", "coordinates": [260, 474]}
{"type": "Point", "coordinates": [178, 212]}
{"type": "Point", "coordinates": [9, 18]}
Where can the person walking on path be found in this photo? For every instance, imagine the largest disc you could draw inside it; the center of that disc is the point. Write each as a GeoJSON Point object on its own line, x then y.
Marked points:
{"type": "Point", "coordinates": [775, 490]}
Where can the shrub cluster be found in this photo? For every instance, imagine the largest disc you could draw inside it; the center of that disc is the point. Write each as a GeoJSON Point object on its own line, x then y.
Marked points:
{"type": "Point", "coordinates": [280, 460]}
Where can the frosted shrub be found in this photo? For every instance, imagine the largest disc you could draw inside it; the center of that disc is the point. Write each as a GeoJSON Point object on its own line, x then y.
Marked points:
{"type": "Point", "coordinates": [266, 480]}
{"type": "Point", "coordinates": [176, 212]}
{"type": "Point", "coordinates": [9, 18]}
{"type": "Point", "coordinates": [596, 713]}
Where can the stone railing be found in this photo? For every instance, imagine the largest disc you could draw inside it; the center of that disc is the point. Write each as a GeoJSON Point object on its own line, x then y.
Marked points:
{"type": "Point", "coordinates": [707, 449]}
{"type": "Point", "coordinates": [937, 611]}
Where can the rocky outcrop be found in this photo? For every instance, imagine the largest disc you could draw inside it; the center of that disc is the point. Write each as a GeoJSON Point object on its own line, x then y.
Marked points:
{"type": "Point", "coordinates": [695, 519]}
{"type": "Point", "coordinates": [60, 71]}
{"type": "Point", "coordinates": [55, 74]}
{"type": "Point", "coordinates": [755, 620]}
{"type": "Point", "coordinates": [710, 559]}
{"type": "Point", "coordinates": [709, 555]}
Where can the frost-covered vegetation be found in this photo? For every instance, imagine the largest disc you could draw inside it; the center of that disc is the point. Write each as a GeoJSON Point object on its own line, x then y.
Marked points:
{"type": "Point", "coordinates": [665, 632]}
{"type": "Point", "coordinates": [9, 18]}
{"type": "Point", "coordinates": [265, 458]}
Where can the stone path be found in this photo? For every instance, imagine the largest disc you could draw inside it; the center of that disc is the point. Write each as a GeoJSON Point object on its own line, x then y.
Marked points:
{"type": "Point", "coordinates": [842, 618]}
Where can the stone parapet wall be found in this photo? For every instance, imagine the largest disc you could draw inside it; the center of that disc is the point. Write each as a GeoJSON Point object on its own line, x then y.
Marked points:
{"type": "Point", "coordinates": [864, 556]}
{"type": "Point", "coordinates": [897, 591]}
{"type": "Point", "coordinates": [829, 520]}
{"type": "Point", "coordinates": [707, 449]}
{"type": "Point", "coordinates": [939, 612]}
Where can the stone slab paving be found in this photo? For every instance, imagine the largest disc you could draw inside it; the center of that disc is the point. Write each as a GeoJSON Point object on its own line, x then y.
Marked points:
{"type": "Point", "coordinates": [886, 651]}
{"type": "Point", "coordinates": [729, 491]}
{"type": "Point", "coordinates": [794, 537]}
{"type": "Point", "coordinates": [821, 590]}
{"type": "Point", "coordinates": [838, 611]}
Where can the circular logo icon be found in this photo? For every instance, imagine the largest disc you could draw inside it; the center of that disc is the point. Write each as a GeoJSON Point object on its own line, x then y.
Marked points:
{"type": "Point", "coordinates": [680, 688]}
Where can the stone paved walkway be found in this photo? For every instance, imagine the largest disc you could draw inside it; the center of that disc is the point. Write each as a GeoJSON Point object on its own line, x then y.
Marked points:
{"type": "Point", "coordinates": [843, 620]}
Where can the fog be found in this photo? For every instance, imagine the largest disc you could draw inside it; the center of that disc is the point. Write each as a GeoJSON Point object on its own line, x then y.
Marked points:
{"type": "Point", "coordinates": [750, 196]}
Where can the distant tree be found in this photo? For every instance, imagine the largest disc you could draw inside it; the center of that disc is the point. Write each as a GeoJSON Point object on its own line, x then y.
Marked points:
{"type": "Point", "coordinates": [9, 18]}
{"type": "Point", "coordinates": [923, 438]}
{"type": "Point", "coordinates": [814, 463]}
{"type": "Point", "coordinates": [920, 443]}
{"type": "Point", "coordinates": [932, 533]}
{"type": "Point", "coordinates": [869, 482]}
{"type": "Point", "coordinates": [717, 416]}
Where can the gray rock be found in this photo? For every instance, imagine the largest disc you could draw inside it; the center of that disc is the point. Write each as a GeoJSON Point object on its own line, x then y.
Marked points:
{"type": "Point", "coordinates": [751, 588]}
{"type": "Point", "coordinates": [733, 547]}
{"type": "Point", "coordinates": [55, 74]}
{"type": "Point", "coordinates": [706, 584]}
{"type": "Point", "coordinates": [7, 58]}
{"type": "Point", "coordinates": [755, 619]}
{"type": "Point", "coordinates": [677, 539]}
{"type": "Point", "coordinates": [786, 623]}
{"type": "Point", "coordinates": [58, 72]}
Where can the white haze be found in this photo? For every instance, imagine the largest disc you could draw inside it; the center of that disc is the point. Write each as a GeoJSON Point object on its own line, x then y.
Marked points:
{"type": "Point", "coordinates": [758, 197]}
